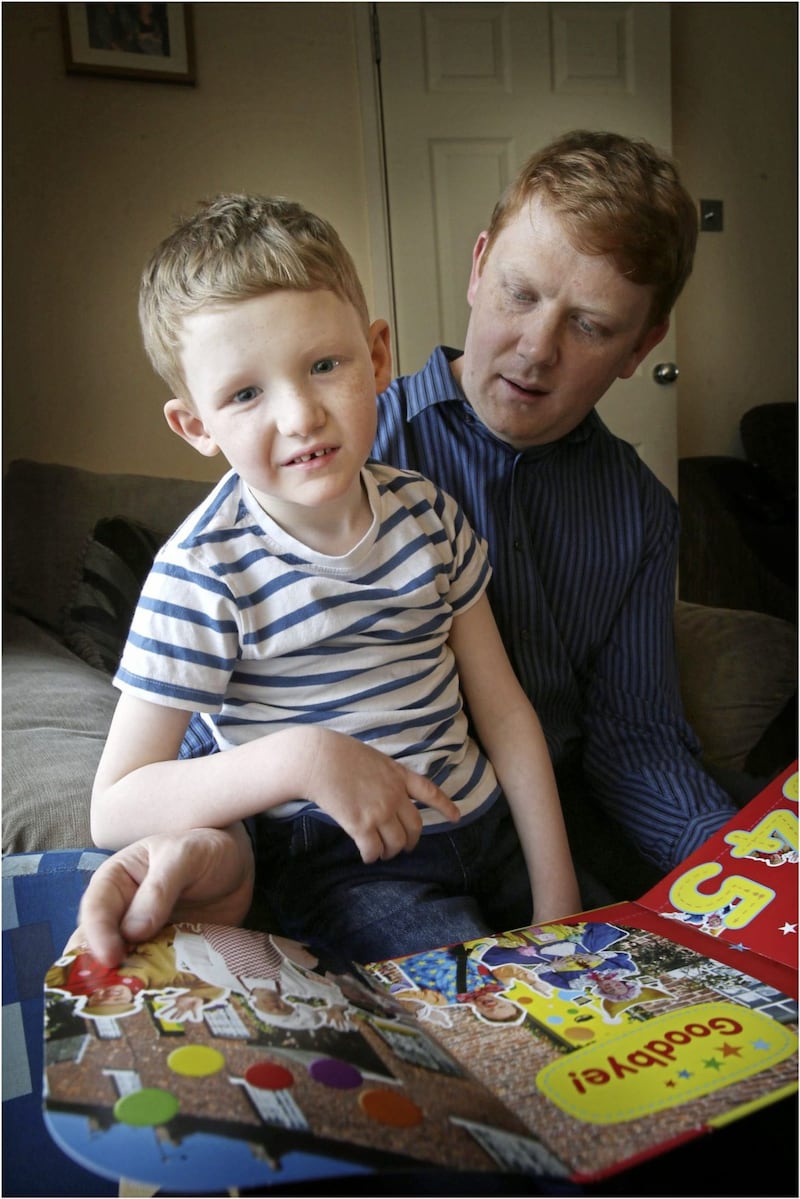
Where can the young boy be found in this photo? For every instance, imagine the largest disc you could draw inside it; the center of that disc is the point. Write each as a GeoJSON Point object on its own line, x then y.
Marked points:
{"type": "Point", "coordinates": [331, 603]}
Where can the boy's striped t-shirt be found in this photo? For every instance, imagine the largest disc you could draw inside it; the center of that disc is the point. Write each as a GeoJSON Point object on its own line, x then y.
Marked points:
{"type": "Point", "coordinates": [239, 621]}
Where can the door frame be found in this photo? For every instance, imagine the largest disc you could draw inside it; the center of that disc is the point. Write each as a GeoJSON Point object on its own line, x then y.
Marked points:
{"type": "Point", "coordinates": [369, 87]}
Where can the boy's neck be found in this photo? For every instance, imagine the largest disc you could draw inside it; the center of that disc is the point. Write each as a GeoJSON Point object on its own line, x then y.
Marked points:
{"type": "Point", "coordinates": [333, 529]}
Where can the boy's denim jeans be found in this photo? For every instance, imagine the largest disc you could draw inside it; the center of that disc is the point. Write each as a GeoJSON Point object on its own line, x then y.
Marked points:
{"type": "Point", "coordinates": [455, 885]}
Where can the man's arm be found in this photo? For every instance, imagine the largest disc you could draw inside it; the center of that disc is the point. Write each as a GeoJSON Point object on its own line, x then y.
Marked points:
{"type": "Point", "coordinates": [641, 758]}
{"type": "Point", "coordinates": [511, 736]}
{"type": "Point", "coordinates": [141, 786]}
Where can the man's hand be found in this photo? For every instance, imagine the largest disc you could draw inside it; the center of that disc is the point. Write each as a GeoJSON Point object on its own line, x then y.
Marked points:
{"type": "Point", "coordinates": [201, 875]}
{"type": "Point", "coordinates": [370, 795]}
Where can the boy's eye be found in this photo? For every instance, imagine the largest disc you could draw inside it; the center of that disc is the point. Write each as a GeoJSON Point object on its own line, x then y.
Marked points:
{"type": "Point", "coordinates": [324, 366]}
{"type": "Point", "coordinates": [246, 394]}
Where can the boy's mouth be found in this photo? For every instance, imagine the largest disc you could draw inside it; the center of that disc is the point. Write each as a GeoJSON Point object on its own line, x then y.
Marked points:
{"type": "Point", "coordinates": [310, 455]}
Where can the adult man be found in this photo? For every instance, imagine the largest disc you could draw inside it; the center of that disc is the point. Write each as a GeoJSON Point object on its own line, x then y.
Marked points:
{"type": "Point", "coordinates": [571, 287]}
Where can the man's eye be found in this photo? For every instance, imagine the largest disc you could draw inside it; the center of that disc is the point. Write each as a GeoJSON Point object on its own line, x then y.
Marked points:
{"type": "Point", "coordinates": [324, 366]}
{"type": "Point", "coordinates": [589, 328]}
{"type": "Point", "coordinates": [246, 394]}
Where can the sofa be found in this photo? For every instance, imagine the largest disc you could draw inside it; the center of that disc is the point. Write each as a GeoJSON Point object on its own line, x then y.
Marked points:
{"type": "Point", "coordinates": [76, 547]}
{"type": "Point", "coordinates": [739, 518]}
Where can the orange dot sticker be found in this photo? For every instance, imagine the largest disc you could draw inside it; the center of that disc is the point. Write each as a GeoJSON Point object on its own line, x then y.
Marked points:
{"type": "Point", "coordinates": [195, 1061]}
{"type": "Point", "coordinates": [269, 1076]}
{"type": "Point", "coordinates": [146, 1107]}
{"type": "Point", "coordinates": [575, 1033]}
{"type": "Point", "coordinates": [387, 1107]}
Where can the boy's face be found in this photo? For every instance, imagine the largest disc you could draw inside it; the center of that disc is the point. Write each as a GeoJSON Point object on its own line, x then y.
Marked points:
{"type": "Point", "coordinates": [550, 329]}
{"type": "Point", "coordinates": [284, 385]}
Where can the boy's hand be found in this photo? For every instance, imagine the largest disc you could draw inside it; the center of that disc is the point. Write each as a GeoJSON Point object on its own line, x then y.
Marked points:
{"type": "Point", "coordinates": [370, 795]}
{"type": "Point", "coordinates": [199, 875]}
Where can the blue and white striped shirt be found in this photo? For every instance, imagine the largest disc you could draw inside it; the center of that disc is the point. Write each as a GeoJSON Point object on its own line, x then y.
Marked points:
{"type": "Point", "coordinates": [240, 621]}
{"type": "Point", "coordinates": [583, 544]}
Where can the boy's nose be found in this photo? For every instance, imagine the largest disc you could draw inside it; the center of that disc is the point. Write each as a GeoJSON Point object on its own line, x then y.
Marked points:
{"type": "Point", "coordinates": [299, 415]}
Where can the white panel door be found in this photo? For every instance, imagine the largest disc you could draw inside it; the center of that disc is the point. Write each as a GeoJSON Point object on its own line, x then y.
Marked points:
{"type": "Point", "coordinates": [469, 90]}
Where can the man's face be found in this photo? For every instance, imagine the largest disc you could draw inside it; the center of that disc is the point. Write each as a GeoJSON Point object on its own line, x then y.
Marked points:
{"type": "Point", "coordinates": [550, 330]}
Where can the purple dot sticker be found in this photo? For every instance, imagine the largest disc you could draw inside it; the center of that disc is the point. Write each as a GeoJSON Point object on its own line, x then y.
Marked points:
{"type": "Point", "coordinates": [333, 1073]}
{"type": "Point", "coordinates": [269, 1076]}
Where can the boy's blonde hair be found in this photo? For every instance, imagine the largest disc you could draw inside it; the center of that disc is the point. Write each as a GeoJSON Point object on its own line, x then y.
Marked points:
{"type": "Point", "coordinates": [617, 196]}
{"type": "Point", "coordinates": [233, 248]}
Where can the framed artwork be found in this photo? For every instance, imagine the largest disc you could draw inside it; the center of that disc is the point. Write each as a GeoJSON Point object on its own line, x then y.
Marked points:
{"type": "Point", "coordinates": [130, 41]}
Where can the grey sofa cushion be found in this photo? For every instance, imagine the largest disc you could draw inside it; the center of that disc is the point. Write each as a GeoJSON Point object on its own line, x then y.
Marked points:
{"type": "Point", "coordinates": [56, 713]}
{"type": "Point", "coordinates": [48, 512]}
{"type": "Point", "coordinates": [738, 671]}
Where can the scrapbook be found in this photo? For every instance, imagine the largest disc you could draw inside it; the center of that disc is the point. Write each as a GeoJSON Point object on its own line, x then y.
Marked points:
{"type": "Point", "coordinates": [216, 1058]}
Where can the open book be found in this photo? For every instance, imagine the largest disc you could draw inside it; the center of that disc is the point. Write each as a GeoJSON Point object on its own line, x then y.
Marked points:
{"type": "Point", "coordinates": [216, 1058]}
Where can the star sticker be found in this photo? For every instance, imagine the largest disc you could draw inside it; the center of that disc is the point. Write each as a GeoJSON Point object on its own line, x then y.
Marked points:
{"type": "Point", "coordinates": [711, 1063]}
{"type": "Point", "coordinates": [761, 1045]}
{"type": "Point", "coordinates": [730, 1050]}
{"type": "Point", "coordinates": [738, 946]}
{"type": "Point", "coordinates": [670, 1082]}
{"type": "Point", "coordinates": [787, 928]}
{"type": "Point", "coordinates": [684, 1074]}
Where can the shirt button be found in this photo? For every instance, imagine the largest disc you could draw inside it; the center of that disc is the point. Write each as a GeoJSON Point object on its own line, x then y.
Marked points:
{"type": "Point", "coordinates": [518, 545]}
{"type": "Point", "coordinates": [525, 635]}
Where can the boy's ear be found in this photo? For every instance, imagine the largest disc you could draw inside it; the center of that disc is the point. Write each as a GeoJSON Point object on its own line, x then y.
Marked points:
{"type": "Point", "coordinates": [188, 425]}
{"type": "Point", "coordinates": [380, 346]}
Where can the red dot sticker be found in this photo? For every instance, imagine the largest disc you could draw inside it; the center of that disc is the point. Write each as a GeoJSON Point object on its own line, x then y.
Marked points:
{"type": "Point", "coordinates": [388, 1107]}
{"type": "Point", "coordinates": [269, 1076]}
{"type": "Point", "coordinates": [333, 1073]}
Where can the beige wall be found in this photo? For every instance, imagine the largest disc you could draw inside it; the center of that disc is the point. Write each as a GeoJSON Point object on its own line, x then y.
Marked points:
{"type": "Point", "coordinates": [95, 170]}
{"type": "Point", "coordinates": [735, 135]}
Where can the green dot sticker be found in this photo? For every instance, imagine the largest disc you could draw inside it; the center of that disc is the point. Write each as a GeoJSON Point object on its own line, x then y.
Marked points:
{"type": "Point", "coordinates": [146, 1108]}
{"type": "Point", "coordinates": [196, 1061]}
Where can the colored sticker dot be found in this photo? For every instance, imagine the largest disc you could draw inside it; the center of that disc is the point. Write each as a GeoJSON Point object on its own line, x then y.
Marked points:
{"type": "Point", "coordinates": [387, 1107]}
{"type": "Point", "coordinates": [269, 1076]}
{"type": "Point", "coordinates": [333, 1073]}
{"type": "Point", "coordinates": [578, 1034]}
{"type": "Point", "coordinates": [146, 1107]}
{"type": "Point", "coordinates": [196, 1060]}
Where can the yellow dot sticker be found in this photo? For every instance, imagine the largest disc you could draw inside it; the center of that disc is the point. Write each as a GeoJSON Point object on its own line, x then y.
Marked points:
{"type": "Point", "coordinates": [195, 1061]}
{"type": "Point", "coordinates": [665, 1062]}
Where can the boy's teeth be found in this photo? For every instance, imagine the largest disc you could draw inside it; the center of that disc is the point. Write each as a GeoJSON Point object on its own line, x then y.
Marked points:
{"type": "Point", "coordinates": [308, 457]}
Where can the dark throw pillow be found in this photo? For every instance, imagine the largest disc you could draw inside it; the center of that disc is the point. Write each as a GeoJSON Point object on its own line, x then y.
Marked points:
{"type": "Point", "coordinates": [115, 562]}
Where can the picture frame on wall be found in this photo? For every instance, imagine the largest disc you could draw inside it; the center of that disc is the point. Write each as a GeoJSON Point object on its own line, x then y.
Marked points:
{"type": "Point", "coordinates": [130, 41]}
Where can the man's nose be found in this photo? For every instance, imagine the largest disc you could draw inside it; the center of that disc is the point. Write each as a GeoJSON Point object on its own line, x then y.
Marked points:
{"type": "Point", "coordinates": [539, 338]}
{"type": "Point", "coordinates": [299, 415]}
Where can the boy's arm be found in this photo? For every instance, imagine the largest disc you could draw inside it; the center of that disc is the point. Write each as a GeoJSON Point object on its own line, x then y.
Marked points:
{"type": "Point", "coordinates": [511, 736]}
{"type": "Point", "coordinates": [142, 788]}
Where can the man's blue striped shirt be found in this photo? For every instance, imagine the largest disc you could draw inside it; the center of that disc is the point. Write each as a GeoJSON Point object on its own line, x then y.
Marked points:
{"type": "Point", "coordinates": [583, 544]}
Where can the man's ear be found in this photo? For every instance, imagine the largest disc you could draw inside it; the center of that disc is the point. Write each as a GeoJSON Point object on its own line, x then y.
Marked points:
{"type": "Point", "coordinates": [650, 339]}
{"type": "Point", "coordinates": [380, 348]}
{"type": "Point", "coordinates": [188, 425]}
{"type": "Point", "coordinates": [477, 265]}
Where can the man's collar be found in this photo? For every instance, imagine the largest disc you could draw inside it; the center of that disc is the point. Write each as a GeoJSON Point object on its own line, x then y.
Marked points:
{"type": "Point", "coordinates": [435, 384]}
